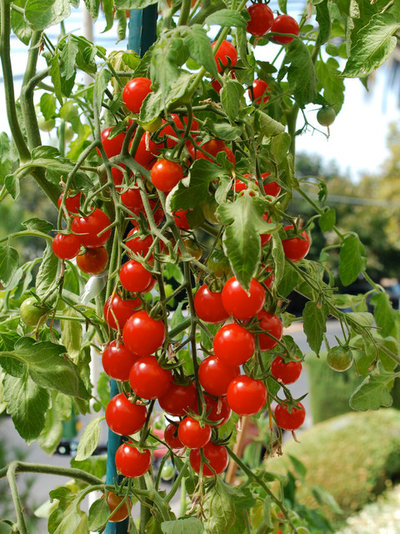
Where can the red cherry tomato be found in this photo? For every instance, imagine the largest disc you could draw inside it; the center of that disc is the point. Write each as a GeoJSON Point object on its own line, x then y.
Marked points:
{"type": "Point", "coordinates": [131, 199]}
{"type": "Point", "coordinates": [142, 334]}
{"type": "Point", "coordinates": [286, 372]}
{"type": "Point", "coordinates": [246, 396]}
{"type": "Point", "coordinates": [123, 511]}
{"type": "Point", "coordinates": [170, 135]}
{"type": "Point", "coordinates": [137, 243]}
{"type": "Point", "coordinates": [117, 360]}
{"type": "Point", "coordinates": [171, 437]}
{"type": "Point", "coordinates": [134, 277]}
{"type": "Point", "coordinates": [192, 434]}
{"type": "Point", "coordinates": [225, 55]}
{"type": "Point", "coordinates": [147, 151]}
{"type": "Point", "coordinates": [259, 94]}
{"type": "Point", "coordinates": [181, 219]}
{"type": "Point", "coordinates": [215, 376]}
{"type": "Point", "coordinates": [93, 260]}
{"type": "Point", "coordinates": [218, 409]}
{"type": "Point", "coordinates": [284, 24]}
{"type": "Point", "coordinates": [117, 175]}
{"type": "Point", "coordinates": [208, 306]}
{"type": "Point", "coordinates": [130, 462]}
{"type": "Point", "coordinates": [261, 19]}
{"type": "Point", "coordinates": [165, 175]}
{"type": "Point", "coordinates": [92, 228]}
{"type": "Point", "coordinates": [265, 238]}
{"type": "Point", "coordinates": [123, 417]}
{"type": "Point", "coordinates": [272, 324]}
{"type": "Point", "coordinates": [292, 420]}
{"type": "Point", "coordinates": [180, 400]}
{"type": "Point", "coordinates": [135, 91]}
{"type": "Point", "coordinates": [217, 458]}
{"type": "Point", "coordinates": [148, 379]}
{"type": "Point", "coordinates": [117, 311]}
{"type": "Point", "coordinates": [233, 344]}
{"type": "Point", "coordinates": [72, 204]}
{"type": "Point", "coordinates": [66, 246]}
{"type": "Point", "coordinates": [272, 188]}
{"type": "Point", "coordinates": [240, 304]}
{"type": "Point", "coordinates": [296, 248]}
{"type": "Point", "coordinates": [112, 146]}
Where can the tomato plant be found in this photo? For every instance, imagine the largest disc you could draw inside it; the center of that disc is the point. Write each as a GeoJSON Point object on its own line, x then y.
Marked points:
{"type": "Point", "coordinates": [173, 206]}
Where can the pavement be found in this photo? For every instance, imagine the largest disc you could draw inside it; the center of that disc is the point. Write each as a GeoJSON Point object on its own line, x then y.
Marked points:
{"type": "Point", "coordinates": [42, 484]}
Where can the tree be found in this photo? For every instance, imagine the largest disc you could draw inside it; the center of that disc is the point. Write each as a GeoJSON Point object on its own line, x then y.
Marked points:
{"type": "Point", "coordinates": [222, 127]}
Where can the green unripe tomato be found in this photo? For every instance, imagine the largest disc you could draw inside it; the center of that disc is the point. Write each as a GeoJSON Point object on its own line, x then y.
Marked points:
{"type": "Point", "coordinates": [168, 471]}
{"type": "Point", "coordinates": [209, 211]}
{"type": "Point", "coordinates": [326, 116]}
{"type": "Point", "coordinates": [339, 358]}
{"type": "Point", "coordinates": [46, 126]}
{"type": "Point", "coordinates": [31, 313]}
{"type": "Point", "coordinates": [68, 111]}
{"type": "Point", "coordinates": [218, 263]}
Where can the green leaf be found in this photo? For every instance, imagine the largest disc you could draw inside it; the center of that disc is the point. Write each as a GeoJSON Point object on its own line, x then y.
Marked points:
{"type": "Point", "coordinates": [241, 239]}
{"type": "Point", "coordinates": [222, 130]}
{"type": "Point", "coordinates": [226, 17]}
{"type": "Point", "coordinates": [8, 263]}
{"type": "Point", "coordinates": [44, 13]}
{"type": "Point", "coordinates": [89, 439]}
{"type": "Point", "coordinates": [279, 146]}
{"type": "Point", "coordinates": [231, 95]}
{"type": "Point", "coordinates": [324, 22]}
{"type": "Point", "coordinates": [373, 392]}
{"type": "Point", "coordinates": [96, 465]}
{"type": "Point", "coordinates": [74, 521]}
{"type": "Point", "coordinates": [56, 77]}
{"type": "Point", "coordinates": [372, 45]}
{"type": "Point", "coordinates": [193, 190]}
{"type": "Point", "coordinates": [48, 367]}
{"type": "Point", "coordinates": [71, 333]}
{"type": "Point", "coordinates": [51, 434]}
{"type": "Point", "coordinates": [45, 151]}
{"type": "Point", "coordinates": [99, 512]}
{"type": "Point", "coordinates": [48, 105]}
{"type": "Point", "coordinates": [34, 223]}
{"type": "Point", "coordinates": [299, 466]}
{"type": "Point", "coordinates": [19, 25]}
{"type": "Point", "coordinates": [323, 497]}
{"type": "Point", "coordinates": [200, 49]}
{"type": "Point", "coordinates": [182, 526]}
{"type": "Point", "coordinates": [315, 317]}
{"type": "Point", "coordinates": [279, 259]}
{"type": "Point", "coordinates": [289, 280]}
{"type": "Point", "coordinates": [102, 78]}
{"type": "Point", "coordinates": [47, 273]}
{"type": "Point", "coordinates": [134, 4]}
{"type": "Point", "coordinates": [351, 259]}
{"type": "Point", "coordinates": [220, 510]}
{"type": "Point", "coordinates": [69, 51]}
{"type": "Point", "coordinates": [386, 317]}
{"type": "Point", "coordinates": [282, 5]}
{"type": "Point", "coordinates": [27, 404]}
{"type": "Point", "coordinates": [265, 125]}
{"type": "Point", "coordinates": [327, 220]}
{"type": "Point", "coordinates": [299, 67]}
{"type": "Point", "coordinates": [12, 185]}
{"type": "Point", "coordinates": [93, 7]}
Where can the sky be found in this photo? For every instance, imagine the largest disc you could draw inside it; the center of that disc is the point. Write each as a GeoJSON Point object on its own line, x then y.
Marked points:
{"type": "Point", "coordinates": [357, 139]}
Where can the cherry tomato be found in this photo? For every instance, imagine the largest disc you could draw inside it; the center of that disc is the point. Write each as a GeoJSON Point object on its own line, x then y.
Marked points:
{"type": "Point", "coordinates": [296, 248]}
{"type": "Point", "coordinates": [286, 372]}
{"type": "Point", "coordinates": [208, 306]}
{"type": "Point", "coordinates": [284, 24]}
{"type": "Point", "coordinates": [131, 199]}
{"type": "Point", "coordinates": [193, 434]}
{"type": "Point", "coordinates": [272, 324]}
{"type": "Point", "coordinates": [192, 248]}
{"type": "Point", "coordinates": [246, 396]}
{"type": "Point", "coordinates": [261, 19]}
{"type": "Point", "coordinates": [225, 55]}
{"type": "Point", "coordinates": [135, 91]}
{"type": "Point", "coordinates": [165, 175]}
{"type": "Point", "coordinates": [218, 409]}
{"type": "Point", "coordinates": [240, 304]}
{"type": "Point", "coordinates": [66, 246]}
{"type": "Point", "coordinates": [339, 358]}
{"type": "Point", "coordinates": [170, 135]}
{"type": "Point", "coordinates": [259, 94]}
{"type": "Point", "coordinates": [117, 175]}
{"type": "Point", "coordinates": [148, 379]}
{"type": "Point", "coordinates": [117, 360]}
{"type": "Point", "coordinates": [179, 400]}
{"type": "Point", "coordinates": [272, 188]}
{"type": "Point", "coordinates": [123, 511]}
{"type": "Point", "coordinates": [137, 243]}
{"type": "Point", "coordinates": [117, 311]}
{"type": "Point", "coordinates": [92, 228]}
{"type": "Point", "coordinates": [218, 264]}
{"type": "Point", "coordinates": [112, 146]}
{"type": "Point", "coordinates": [234, 345]}
{"type": "Point", "coordinates": [31, 312]}
{"type": "Point", "coordinates": [171, 437]}
{"type": "Point", "coordinates": [93, 260]}
{"type": "Point", "coordinates": [72, 204]}
{"type": "Point", "coordinates": [134, 277]}
{"type": "Point", "coordinates": [123, 417]}
{"type": "Point", "coordinates": [181, 220]}
{"type": "Point", "coordinates": [292, 420]}
{"type": "Point", "coordinates": [142, 334]}
{"type": "Point", "coordinates": [265, 238]}
{"type": "Point", "coordinates": [215, 376]}
{"type": "Point", "coordinates": [147, 151]}
{"type": "Point", "coordinates": [217, 458]}
{"type": "Point", "coordinates": [326, 116]}
{"type": "Point", "coordinates": [130, 462]}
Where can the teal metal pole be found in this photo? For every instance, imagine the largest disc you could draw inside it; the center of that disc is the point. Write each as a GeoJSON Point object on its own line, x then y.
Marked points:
{"type": "Point", "coordinates": [142, 34]}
